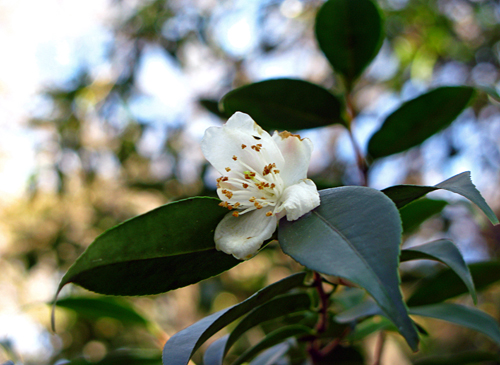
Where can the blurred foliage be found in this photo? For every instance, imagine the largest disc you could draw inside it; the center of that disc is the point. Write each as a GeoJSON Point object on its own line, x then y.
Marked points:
{"type": "Point", "coordinates": [97, 166]}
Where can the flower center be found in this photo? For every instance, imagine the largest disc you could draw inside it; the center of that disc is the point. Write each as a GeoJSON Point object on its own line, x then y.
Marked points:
{"type": "Point", "coordinates": [245, 188]}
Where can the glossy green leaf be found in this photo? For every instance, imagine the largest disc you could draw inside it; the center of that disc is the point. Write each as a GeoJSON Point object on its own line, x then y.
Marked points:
{"type": "Point", "coordinates": [366, 309]}
{"type": "Point", "coordinates": [285, 104]}
{"type": "Point", "coordinates": [414, 214]}
{"type": "Point", "coordinates": [355, 233]}
{"type": "Point", "coordinates": [167, 248]}
{"type": "Point", "coordinates": [181, 346]}
{"type": "Point", "coordinates": [272, 339]}
{"type": "Point", "coordinates": [446, 284]}
{"type": "Point", "coordinates": [278, 307]}
{"type": "Point", "coordinates": [446, 252]}
{"type": "Point", "coordinates": [462, 358]}
{"type": "Point", "coordinates": [273, 354]}
{"type": "Point", "coordinates": [460, 184]}
{"type": "Point", "coordinates": [418, 119]}
{"type": "Point", "coordinates": [213, 107]}
{"type": "Point", "coordinates": [464, 316]}
{"type": "Point", "coordinates": [349, 32]}
{"type": "Point", "coordinates": [103, 307]}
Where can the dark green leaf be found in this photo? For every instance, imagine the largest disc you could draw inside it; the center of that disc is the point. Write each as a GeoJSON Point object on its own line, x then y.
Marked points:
{"type": "Point", "coordinates": [462, 358]}
{"type": "Point", "coordinates": [366, 309]}
{"type": "Point", "coordinates": [355, 233]}
{"type": "Point", "coordinates": [167, 248]}
{"type": "Point", "coordinates": [272, 339]}
{"type": "Point", "coordinates": [419, 211]}
{"type": "Point", "coordinates": [213, 107]}
{"type": "Point", "coordinates": [464, 316]}
{"type": "Point", "coordinates": [181, 346]}
{"type": "Point", "coordinates": [461, 184]}
{"type": "Point", "coordinates": [285, 104]}
{"type": "Point", "coordinates": [272, 355]}
{"type": "Point", "coordinates": [349, 33]}
{"type": "Point", "coordinates": [446, 252]}
{"type": "Point", "coordinates": [103, 307]}
{"type": "Point", "coordinates": [278, 307]}
{"type": "Point", "coordinates": [418, 119]}
{"type": "Point", "coordinates": [446, 284]}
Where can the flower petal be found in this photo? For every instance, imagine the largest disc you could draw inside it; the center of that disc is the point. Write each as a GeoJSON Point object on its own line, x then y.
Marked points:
{"type": "Point", "coordinates": [297, 154]}
{"type": "Point", "coordinates": [220, 145]}
{"type": "Point", "coordinates": [299, 199]}
{"type": "Point", "coordinates": [242, 236]}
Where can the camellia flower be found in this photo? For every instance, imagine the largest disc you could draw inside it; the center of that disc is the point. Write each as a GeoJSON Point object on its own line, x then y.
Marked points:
{"type": "Point", "coordinates": [263, 179]}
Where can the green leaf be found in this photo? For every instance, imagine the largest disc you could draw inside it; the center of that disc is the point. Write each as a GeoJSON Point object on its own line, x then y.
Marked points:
{"type": "Point", "coordinates": [213, 107]}
{"type": "Point", "coordinates": [355, 233]}
{"type": "Point", "coordinates": [460, 184]}
{"type": "Point", "coordinates": [167, 248]}
{"type": "Point", "coordinates": [446, 284]}
{"type": "Point", "coordinates": [273, 354]}
{"type": "Point", "coordinates": [418, 119]}
{"type": "Point", "coordinates": [419, 211]}
{"type": "Point", "coordinates": [369, 326]}
{"type": "Point", "coordinates": [278, 307]}
{"type": "Point", "coordinates": [285, 104]}
{"type": "Point", "coordinates": [446, 252]}
{"type": "Point", "coordinates": [462, 358]}
{"type": "Point", "coordinates": [350, 34]}
{"type": "Point", "coordinates": [94, 308]}
{"type": "Point", "coordinates": [272, 339]}
{"type": "Point", "coordinates": [367, 308]}
{"type": "Point", "coordinates": [463, 316]}
{"type": "Point", "coordinates": [181, 346]}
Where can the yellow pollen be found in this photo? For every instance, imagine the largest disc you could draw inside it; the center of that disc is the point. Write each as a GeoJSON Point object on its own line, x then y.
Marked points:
{"type": "Point", "coordinates": [236, 214]}
{"type": "Point", "coordinates": [276, 171]}
{"type": "Point", "coordinates": [234, 157]}
{"type": "Point", "coordinates": [259, 145]}
{"type": "Point", "coordinates": [258, 205]}
{"type": "Point", "coordinates": [228, 169]}
{"type": "Point", "coordinates": [267, 214]}
{"type": "Point", "coordinates": [230, 207]}
{"type": "Point", "coordinates": [243, 146]}
{"type": "Point", "coordinates": [252, 199]}
{"type": "Point", "coordinates": [223, 204]}
{"type": "Point", "coordinates": [236, 205]}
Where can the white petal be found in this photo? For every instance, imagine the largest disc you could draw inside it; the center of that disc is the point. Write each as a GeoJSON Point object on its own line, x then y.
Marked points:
{"type": "Point", "coordinates": [299, 199]}
{"type": "Point", "coordinates": [242, 236]}
{"type": "Point", "coordinates": [220, 144]}
{"type": "Point", "coordinates": [297, 154]}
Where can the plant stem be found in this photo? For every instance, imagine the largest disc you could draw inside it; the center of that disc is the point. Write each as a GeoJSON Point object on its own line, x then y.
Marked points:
{"type": "Point", "coordinates": [360, 160]}
{"type": "Point", "coordinates": [379, 348]}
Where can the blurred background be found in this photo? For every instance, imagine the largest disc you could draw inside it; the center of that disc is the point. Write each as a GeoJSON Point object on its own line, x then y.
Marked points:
{"type": "Point", "coordinates": [102, 108]}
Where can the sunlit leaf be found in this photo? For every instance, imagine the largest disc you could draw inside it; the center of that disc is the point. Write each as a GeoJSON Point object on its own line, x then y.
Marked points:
{"type": "Point", "coordinates": [464, 316]}
{"type": "Point", "coordinates": [349, 32]}
{"type": "Point", "coordinates": [285, 104]}
{"type": "Point", "coordinates": [461, 184]}
{"type": "Point", "coordinates": [167, 248]}
{"type": "Point", "coordinates": [414, 214]}
{"type": "Point", "coordinates": [181, 346]}
{"type": "Point", "coordinates": [418, 119]}
{"type": "Point", "coordinates": [122, 357]}
{"type": "Point", "coordinates": [355, 233]}
{"type": "Point", "coordinates": [446, 252]}
{"type": "Point", "coordinates": [446, 284]}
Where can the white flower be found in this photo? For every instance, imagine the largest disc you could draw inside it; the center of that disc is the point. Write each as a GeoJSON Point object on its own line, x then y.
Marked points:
{"type": "Point", "coordinates": [263, 179]}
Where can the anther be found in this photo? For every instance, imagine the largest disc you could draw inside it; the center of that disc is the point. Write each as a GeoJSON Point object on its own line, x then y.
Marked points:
{"type": "Point", "coordinates": [252, 199]}
{"type": "Point", "coordinates": [236, 214]}
{"type": "Point", "coordinates": [228, 169]}
{"type": "Point", "coordinates": [243, 146]}
{"type": "Point", "coordinates": [235, 158]}
{"type": "Point", "coordinates": [245, 185]}
{"type": "Point", "coordinates": [268, 214]}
